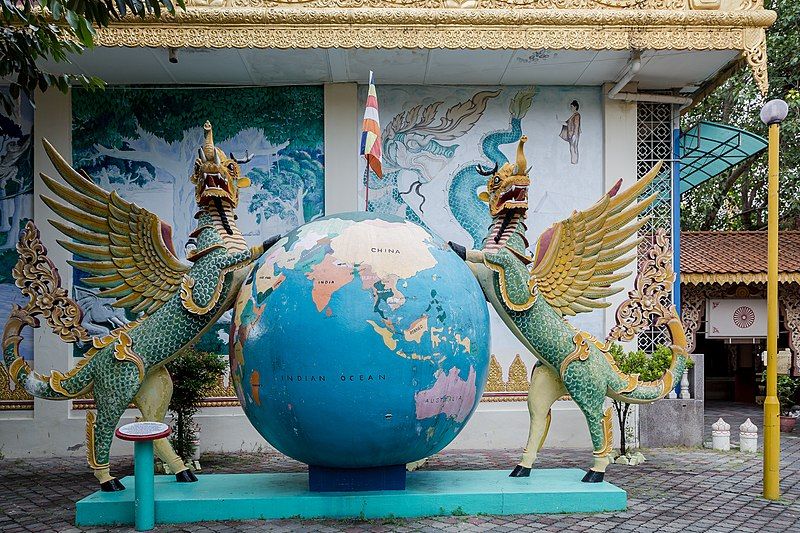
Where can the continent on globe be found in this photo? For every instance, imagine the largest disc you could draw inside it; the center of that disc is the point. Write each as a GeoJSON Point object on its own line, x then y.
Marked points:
{"type": "Point", "coordinates": [449, 395]}
{"type": "Point", "coordinates": [357, 332]}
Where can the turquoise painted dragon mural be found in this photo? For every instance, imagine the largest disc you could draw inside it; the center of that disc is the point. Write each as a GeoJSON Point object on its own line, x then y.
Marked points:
{"type": "Point", "coordinates": [463, 201]}
{"type": "Point", "coordinates": [16, 199]}
{"type": "Point", "coordinates": [574, 266]}
{"type": "Point", "coordinates": [127, 253]}
{"type": "Point", "coordinates": [419, 141]}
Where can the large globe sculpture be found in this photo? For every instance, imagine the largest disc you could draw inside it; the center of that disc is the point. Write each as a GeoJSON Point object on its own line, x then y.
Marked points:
{"type": "Point", "coordinates": [359, 341]}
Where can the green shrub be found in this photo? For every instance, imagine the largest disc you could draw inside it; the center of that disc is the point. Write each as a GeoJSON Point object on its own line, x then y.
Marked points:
{"type": "Point", "coordinates": [649, 368]}
{"type": "Point", "coordinates": [787, 388]}
{"type": "Point", "coordinates": [193, 373]}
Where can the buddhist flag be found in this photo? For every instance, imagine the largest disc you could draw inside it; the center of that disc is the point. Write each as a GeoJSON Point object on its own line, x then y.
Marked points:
{"type": "Point", "coordinates": [371, 136]}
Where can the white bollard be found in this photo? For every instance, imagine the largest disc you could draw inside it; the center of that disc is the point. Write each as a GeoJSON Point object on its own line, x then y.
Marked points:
{"type": "Point", "coordinates": [748, 437]}
{"type": "Point", "coordinates": [721, 435]}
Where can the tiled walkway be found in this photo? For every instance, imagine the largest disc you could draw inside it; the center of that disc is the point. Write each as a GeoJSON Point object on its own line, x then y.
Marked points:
{"type": "Point", "coordinates": [676, 490]}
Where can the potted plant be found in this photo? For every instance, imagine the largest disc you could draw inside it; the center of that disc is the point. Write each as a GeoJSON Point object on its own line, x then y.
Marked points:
{"type": "Point", "coordinates": [787, 388]}
{"type": "Point", "coordinates": [193, 373]}
{"type": "Point", "coordinates": [649, 368]}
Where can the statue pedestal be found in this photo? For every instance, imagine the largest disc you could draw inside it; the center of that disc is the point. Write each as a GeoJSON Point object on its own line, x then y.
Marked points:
{"type": "Point", "coordinates": [427, 493]}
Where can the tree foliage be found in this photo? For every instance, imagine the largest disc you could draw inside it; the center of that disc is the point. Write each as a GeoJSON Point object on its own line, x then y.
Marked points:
{"type": "Point", "coordinates": [35, 31]}
{"type": "Point", "coordinates": [737, 199]}
{"type": "Point", "coordinates": [111, 117]}
{"type": "Point", "coordinates": [294, 186]}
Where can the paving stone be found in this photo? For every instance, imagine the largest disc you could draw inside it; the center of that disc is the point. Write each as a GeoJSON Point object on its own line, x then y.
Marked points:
{"type": "Point", "coordinates": [681, 490]}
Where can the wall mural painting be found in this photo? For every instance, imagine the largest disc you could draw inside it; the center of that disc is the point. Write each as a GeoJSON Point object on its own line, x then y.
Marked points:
{"type": "Point", "coordinates": [434, 136]}
{"type": "Point", "coordinates": [142, 142]}
{"type": "Point", "coordinates": [16, 201]}
{"type": "Point", "coordinates": [571, 131]}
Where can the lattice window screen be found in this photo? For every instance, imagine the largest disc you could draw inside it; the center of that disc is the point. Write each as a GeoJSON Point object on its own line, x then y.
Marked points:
{"type": "Point", "coordinates": [653, 144]}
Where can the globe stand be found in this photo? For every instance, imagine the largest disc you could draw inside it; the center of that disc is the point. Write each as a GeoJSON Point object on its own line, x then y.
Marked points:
{"type": "Point", "coordinates": [286, 495]}
{"type": "Point", "coordinates": [329, 479]}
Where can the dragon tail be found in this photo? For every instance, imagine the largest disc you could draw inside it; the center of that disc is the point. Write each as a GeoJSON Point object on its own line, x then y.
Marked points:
{"type": "Point", "coordinates": [629, 389]}
{"type": "Point", "coordinates": [650, 298]}
{"type": "Point", "coordinates": [37, 278]}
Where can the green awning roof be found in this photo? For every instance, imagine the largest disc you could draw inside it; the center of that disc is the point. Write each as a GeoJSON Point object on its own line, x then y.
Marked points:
{"type": "Point", "coordinates": [709, 149]}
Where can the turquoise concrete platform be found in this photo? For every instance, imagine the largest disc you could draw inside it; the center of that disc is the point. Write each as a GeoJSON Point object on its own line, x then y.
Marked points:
{"type": "Point", "coordinates": [255, 496]}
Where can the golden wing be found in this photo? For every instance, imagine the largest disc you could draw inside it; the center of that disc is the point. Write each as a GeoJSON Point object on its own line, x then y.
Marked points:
{"type": "Point", "coordinates": [128, 250]}
{"type": "Point", "coordinates": [577, 259]}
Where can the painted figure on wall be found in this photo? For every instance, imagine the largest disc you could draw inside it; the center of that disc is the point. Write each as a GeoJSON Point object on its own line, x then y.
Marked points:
{"type": "Point", "coordinates": [571, 131]}
{"type": "Point", "coordinates": [575, 265]}
{"type": "Point", "coordinates": [128, 253]}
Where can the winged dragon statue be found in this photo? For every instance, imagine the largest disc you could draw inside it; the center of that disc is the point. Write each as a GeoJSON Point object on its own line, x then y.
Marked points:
{"type": "Point", "coordinates": [575, 265]}
{"type": "Point", "coordinates": [127, 252]}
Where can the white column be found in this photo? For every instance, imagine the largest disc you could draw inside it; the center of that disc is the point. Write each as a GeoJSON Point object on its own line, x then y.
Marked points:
{"type": "Point", "coordinates": [50, 431]}
{"type": "Point", "coordinates": [619, 161]}
{"type": "Point", "coordinates": [748, 437]}
{"type": "Point", "coordinates": [341, 147]}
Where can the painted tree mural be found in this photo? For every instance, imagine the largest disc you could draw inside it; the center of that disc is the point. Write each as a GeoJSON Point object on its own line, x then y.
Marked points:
{"type": "Point", "coordinates": [143, 143]}
{"type": "Point", "coordinates": [290, 188]}
{"type": "Point", "coordinates": [140, 140]}
{"type": "Point", "coordinates": [16, 199]}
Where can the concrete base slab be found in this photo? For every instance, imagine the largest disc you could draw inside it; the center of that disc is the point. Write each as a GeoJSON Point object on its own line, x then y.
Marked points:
{"type": "Point", "coordinates": [286, 495]}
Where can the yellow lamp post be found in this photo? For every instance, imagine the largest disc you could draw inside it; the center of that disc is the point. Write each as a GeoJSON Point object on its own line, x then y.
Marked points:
{"type": "Point", "coordinates": [772, 114]}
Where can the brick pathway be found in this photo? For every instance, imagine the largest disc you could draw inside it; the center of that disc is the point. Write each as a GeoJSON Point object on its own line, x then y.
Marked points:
{"type": "Point", "coordinates": [675, 490]}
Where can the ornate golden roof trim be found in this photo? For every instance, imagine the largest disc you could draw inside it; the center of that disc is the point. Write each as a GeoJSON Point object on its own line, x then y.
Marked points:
{"type": "Point", "coordinates": [632, 20]}
{"type": "Point", "coordinates": [499, 24]}
{"type": "Point", "coordinates": [674, 5]}
{"type": "Point", "coordinates": [16, 405]}
{"type": "Point", "coordinates": [737, 277]}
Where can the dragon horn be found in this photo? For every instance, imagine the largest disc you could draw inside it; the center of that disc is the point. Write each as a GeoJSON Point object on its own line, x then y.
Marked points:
{"type": "Point", "coordinates": [522, 163]}
{"type": "Point", "coordinates": [208, 143]}
{"type": "Point", "coordinates": [483, 172]}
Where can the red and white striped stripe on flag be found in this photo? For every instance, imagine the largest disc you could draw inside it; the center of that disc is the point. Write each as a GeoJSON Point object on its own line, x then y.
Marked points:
{"type": "Point", "coordinates": [371, 135]}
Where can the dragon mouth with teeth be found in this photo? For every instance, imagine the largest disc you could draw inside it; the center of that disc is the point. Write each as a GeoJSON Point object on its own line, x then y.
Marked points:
{"type": "Point", "coordinates": [515, 197]}
{"type": "Point", "coordinates": [217, 177]}
{"type": "Point", "coordinates": [215, 185]}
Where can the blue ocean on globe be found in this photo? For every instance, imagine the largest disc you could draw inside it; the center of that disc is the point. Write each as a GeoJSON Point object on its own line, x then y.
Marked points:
{"type": "Point", "coordinates": [359, 340]}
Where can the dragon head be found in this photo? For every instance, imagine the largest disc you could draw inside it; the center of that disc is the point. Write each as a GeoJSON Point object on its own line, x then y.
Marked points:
{"type": "Point", "coordinates": [217, 177]}
{"type": "Point", "coordinates": [507, 187]}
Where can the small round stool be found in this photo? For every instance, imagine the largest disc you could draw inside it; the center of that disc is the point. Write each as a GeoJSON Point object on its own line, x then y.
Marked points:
{"type": "Point", "coordinates": [143, 434]}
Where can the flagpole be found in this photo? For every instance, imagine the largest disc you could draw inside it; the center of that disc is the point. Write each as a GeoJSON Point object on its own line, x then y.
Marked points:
{"type": "Point", "coordinates": [366, 185]}
{"type": "Point", "coordinates": [371, 138]}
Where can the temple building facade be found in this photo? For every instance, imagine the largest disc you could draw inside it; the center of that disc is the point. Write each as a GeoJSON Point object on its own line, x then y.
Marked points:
{"type": "Point", "coordinates": [724, 308]}
{"type": "Point", "coordinates": [598, 86]}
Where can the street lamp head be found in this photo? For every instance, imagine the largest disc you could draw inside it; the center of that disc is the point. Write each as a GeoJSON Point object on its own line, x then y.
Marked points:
{"type": "Point", "coordinates": [774, 112]}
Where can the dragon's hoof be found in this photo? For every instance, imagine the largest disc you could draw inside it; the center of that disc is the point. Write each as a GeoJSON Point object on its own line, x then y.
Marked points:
{"type": "Point", "coordinates": [185, 476]}
{"type": "Point", "coordinates": [520, 471]}
{"type": "Point", "coordinates": [593, 477]}
{"type": "Point", "coordinates": [112, 485]}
